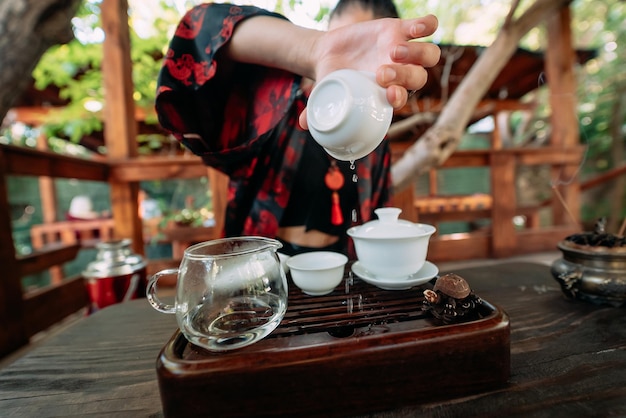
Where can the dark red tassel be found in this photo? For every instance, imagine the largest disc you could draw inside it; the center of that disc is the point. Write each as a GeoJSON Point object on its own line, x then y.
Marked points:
{"type": "Point", "coordinates": [336, 217]}
{"type": "Point", "coordinates": [334, 181]}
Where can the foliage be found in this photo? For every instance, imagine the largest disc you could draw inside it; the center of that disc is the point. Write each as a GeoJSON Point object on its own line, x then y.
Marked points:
{"type": "Point", "coordinates": [75, 68]}
{"type": "Point", "coordinates": [603, 82]}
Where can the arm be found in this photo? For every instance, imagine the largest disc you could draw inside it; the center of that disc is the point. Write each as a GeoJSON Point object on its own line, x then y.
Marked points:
{"type": "Point", "coordinates": [381, 46]}
{"type": "Point", "coordinates": [273, 42]}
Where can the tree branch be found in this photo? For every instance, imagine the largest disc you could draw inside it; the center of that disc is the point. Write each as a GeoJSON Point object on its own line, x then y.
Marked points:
{"type": "Point", "coordinates": [442, 139]}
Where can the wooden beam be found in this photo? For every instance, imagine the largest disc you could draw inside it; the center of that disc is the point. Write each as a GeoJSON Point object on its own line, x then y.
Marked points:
{"type": "Point", "coordinates": [12, 332]}
{"type": "Point", "coordinates": [604, 177]}
{"type": "Point", "coordinates": [218, 182]}
{"type": "Point", "coordinates": [469, 158]}
{"type": "Point", "coordinates": [31, 162]}
{"type": "Point", "coordinates": [47, 191]}
{"type": "Point", "coordinates": [504, 204]}
{"type": "Point", "coordinates": [453, 216]}
{"type": "Point", "coordinates": [47, 306]}
{"type": "Point", "coordinates": [544, 239]}
{"type": "Point", "coordinates": [157, 168]}
{"type": "Point", "coordinates": [524, 156]}
{"type": "Point", "coordinates": [550, 155]}
{"type": "Point", "coordinates": [455, 247]}
{"type": "Point", "coordinates": [404, 200]}
{"type": "Point", "coordinates": [477, 245]}
{"type": "Point", "coordinates": [38, 115]}
{"type": "Point", "coordinates": [560, 59]}
{"type": "Point", "coordinates": [48, 194]}
{"type": "Point", "coordinates": [50, 255]}
{"type": "Point", "coordinates": [120, 127]}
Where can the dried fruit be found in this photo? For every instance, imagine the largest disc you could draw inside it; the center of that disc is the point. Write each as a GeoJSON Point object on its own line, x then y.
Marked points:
{"type": "Point", "coordinates": [451, 300]}
{"type": "Point", "coordinates": [453, 285]}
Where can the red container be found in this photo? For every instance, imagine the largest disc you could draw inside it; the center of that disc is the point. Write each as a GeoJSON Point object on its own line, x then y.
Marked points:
{"type": "Point", "coordinates": [116, 275]}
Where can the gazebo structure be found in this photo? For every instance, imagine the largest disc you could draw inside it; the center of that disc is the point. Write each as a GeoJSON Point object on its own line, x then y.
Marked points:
{"type": "Point", "coordinates": [27, 314]}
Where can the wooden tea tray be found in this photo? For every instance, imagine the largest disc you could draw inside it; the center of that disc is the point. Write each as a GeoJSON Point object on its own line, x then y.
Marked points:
{"type": "Point", "coordinates": [359, 349]}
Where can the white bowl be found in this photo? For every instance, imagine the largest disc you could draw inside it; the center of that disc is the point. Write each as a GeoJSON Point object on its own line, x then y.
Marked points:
{"type": "Point", "coordinates": [317, 273]}
{"type": "Point", "coordinates": [348, 114]}
{"type": "Point", "coordinates": [389, 247]}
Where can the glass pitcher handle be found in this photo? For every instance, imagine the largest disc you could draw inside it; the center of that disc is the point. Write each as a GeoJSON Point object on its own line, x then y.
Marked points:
{"type": "Point", "coordinates": [151, 292]}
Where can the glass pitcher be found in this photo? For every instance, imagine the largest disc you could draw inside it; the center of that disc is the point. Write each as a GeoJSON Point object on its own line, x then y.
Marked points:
{"type": "Point", "coordinates": [230, 292]}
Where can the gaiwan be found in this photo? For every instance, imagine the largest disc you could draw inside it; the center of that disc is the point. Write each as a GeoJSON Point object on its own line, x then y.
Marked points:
{"type": "Point", "coordinates": [391, 247]}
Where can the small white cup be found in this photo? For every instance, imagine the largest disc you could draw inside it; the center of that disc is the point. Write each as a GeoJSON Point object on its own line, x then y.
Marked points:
{"type": "Point", "coordinates": [348, 114]}
{"type": "Point", "coordinates": [317, 273]}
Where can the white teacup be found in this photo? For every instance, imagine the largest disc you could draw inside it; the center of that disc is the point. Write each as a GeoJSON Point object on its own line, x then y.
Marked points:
{"type": "Point", "coordinates": [348, 114]}
{"type": "Point", "coordinates": [317, 273]}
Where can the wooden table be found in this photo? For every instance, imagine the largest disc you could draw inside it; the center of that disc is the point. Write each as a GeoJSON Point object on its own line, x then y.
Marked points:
{"type": "Point", "coordinates": [568, 358]}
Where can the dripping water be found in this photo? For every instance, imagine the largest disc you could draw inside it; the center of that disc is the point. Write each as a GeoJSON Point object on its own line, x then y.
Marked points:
{"type": "Point", "coordinates": [355, 179]}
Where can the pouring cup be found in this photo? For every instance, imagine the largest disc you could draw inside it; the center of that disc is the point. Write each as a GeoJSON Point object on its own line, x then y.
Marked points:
{"type": "Point", "coordinates": [230, 292]}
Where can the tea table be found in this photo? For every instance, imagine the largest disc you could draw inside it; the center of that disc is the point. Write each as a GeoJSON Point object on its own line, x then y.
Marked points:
{"type": "Point", "coordinates": [567, 358]}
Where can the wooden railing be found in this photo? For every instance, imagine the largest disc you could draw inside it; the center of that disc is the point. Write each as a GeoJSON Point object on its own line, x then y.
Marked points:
{"type": "Point", "coordinates": [502, 238]}
{"type": "Point", "coordinates": [86, 233]}
{"type": "Point", "coordinates": [22, 314]}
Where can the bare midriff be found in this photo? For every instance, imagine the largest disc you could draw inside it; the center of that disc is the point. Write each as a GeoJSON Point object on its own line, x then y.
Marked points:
{"type": "Point", "coordinates": [298, 235]}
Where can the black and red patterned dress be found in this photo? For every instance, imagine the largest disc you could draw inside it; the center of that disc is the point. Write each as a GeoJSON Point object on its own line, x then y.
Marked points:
{"type": "Point", "coordinates": [242, 119]}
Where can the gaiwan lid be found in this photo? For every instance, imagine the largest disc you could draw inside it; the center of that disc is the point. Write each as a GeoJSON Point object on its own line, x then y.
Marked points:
{"type": "Point", "coordinates": [389, 226]}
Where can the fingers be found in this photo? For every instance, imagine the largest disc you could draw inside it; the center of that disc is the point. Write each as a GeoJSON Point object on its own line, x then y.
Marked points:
{"type": "Point", "coordinates": [420, 27]}
{"type": "Point", "coordinates": [422, 53]}
{"type": "Point", "coordinates": [408, 77]}
{"type": "Point", "coordinates": [409, 60]}
{"type": "Point", "coordinates": [397, 96]}
{"type": "Point", "coordinates": [302, 120]}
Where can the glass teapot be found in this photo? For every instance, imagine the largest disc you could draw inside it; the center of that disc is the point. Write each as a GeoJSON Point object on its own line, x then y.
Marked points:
{"type": "Point", "coordinates": [230, 292]}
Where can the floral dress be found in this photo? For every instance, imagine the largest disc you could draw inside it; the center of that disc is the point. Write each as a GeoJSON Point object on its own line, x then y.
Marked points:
{"type": "Point", "coordinates": [242, 119]}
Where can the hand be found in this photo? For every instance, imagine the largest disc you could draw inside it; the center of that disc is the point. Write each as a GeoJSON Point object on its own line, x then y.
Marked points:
{"type": "Point", "coordinates": [381, 46]}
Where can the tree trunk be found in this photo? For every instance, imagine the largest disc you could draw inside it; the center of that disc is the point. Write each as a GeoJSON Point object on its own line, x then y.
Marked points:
{"type": "Point", "coordinates": [27, 29]}
{"type": "Point", "coordinates": [440, 141]}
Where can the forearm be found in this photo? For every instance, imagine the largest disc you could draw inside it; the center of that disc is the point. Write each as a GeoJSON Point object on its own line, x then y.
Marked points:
{"type": "Point", "coordinates": [272, 42]}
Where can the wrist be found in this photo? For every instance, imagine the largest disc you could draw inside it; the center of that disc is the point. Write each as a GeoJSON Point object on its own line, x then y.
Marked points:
{"type": "Point", "coordinates": [303, 57]}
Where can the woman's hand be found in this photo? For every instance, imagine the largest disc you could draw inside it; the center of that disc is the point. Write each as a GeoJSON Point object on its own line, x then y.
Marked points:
{"type": "Point", "coordinates": [381, 46]}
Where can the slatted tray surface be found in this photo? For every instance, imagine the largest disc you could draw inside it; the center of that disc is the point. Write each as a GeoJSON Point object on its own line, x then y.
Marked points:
{"type": "Point", "coordinates": [352, 305]}
{"type": "Point", "coordinates": [359, 345]}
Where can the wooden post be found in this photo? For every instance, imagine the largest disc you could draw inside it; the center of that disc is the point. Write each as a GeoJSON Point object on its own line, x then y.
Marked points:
{"type": "Point", "coordinates": [120, 130]}
{"type": "Point", "coordinates": [560, 59]}
{"type": "Point", "coordinates": [48, 195]}
{"type": "Point", "coordinates": [12, 332]}
{"type": "Point", "coordinates": [218, 182]}
{"type": "Point", "coordinates": [504, 239]}
{"type": "Point", "coordinates": [405, 200]}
